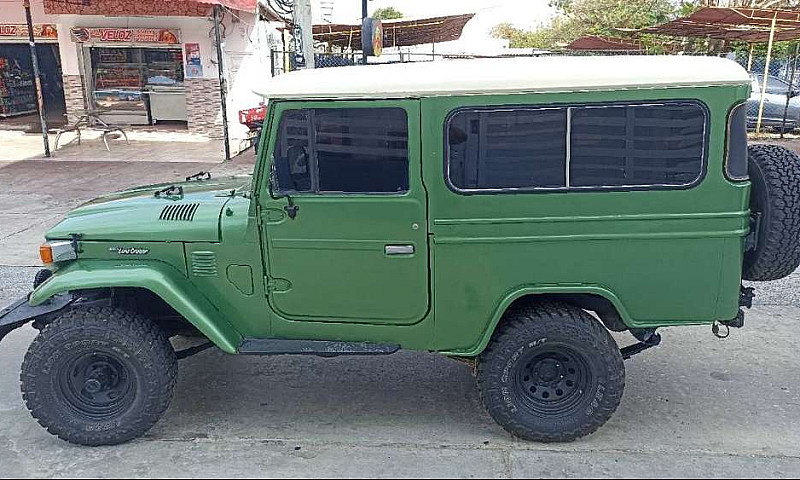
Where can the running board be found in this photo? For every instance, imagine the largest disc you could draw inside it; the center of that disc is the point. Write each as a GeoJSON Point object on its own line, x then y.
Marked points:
{"type": "Point", "coordinates": [322, 348]}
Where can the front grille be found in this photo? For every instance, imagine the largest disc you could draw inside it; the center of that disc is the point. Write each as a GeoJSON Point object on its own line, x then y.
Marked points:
{"type": "Point", "coordinates": [182, 212]}
{"type": "Point", "coordinates": [204, 264]}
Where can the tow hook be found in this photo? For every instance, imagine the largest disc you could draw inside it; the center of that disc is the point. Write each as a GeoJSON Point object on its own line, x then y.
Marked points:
{"type": "Point", "coordinates": [737, 322]}
{"type": "Point", "coordinates": [648, 338]}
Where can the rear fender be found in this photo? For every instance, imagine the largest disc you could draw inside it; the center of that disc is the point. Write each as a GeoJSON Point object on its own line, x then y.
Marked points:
{"type": "Point", "coordinates": [158, 277]}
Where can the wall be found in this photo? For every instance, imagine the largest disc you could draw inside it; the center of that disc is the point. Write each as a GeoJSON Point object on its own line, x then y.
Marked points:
{"type": "Point", "coordinates": [16, 14]}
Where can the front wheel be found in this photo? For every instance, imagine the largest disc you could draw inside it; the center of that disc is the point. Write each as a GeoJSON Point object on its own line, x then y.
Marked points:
{"type": "Point", "coordinates": [552, 373]}
{"type": "Point", "coordinates": [99, 376]}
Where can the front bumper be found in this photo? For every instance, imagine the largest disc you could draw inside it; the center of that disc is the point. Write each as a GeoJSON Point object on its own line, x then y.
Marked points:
{"type": "Point", "coordinates": [21, 312]}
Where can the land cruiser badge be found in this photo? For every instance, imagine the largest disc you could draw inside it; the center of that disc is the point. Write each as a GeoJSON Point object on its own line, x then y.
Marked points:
{"type": "Point", "coordinates": [129, 250]}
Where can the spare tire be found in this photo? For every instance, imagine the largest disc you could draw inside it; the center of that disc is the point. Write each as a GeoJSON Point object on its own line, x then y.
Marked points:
{"type": "Point", "coordinates": [775, 200]}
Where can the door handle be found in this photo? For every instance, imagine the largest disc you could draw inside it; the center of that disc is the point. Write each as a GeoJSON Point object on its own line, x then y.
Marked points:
{"type": "Point", "coordinates": [398, 249]}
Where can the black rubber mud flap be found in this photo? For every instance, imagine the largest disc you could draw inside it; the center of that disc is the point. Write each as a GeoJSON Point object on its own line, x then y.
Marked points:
{"type": "Point", "coordinates": [21, 312]}
{"type": "Point", "coordinates": [775, 202]}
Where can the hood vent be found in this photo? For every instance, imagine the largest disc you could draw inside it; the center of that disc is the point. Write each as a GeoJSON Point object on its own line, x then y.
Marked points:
{"type": "Point", "coordinates": [181, 212]}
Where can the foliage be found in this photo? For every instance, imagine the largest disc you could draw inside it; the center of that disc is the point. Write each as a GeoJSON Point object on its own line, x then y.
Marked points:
{"type": "Point", "coordinates": [387, 13]}
{"type": "Point", "coordinates": [576, 18]}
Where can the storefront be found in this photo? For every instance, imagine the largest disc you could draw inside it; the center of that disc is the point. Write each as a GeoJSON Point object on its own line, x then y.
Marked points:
{"type": "Point", "coordinates": [17, 88]}
{"type": "Point", "coordinates": [133, 76]}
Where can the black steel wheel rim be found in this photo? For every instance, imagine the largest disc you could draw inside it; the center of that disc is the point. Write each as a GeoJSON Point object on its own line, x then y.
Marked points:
{"type": "Point", "coordinates": [551, 380]}
{"type": "Point", "coordinates": [98, 385]}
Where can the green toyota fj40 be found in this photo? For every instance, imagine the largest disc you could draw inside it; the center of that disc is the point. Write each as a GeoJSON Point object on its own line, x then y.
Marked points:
{"type": "Point", "coordinates": [506, 212]}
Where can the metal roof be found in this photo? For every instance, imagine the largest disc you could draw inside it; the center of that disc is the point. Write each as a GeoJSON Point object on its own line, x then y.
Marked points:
{"type": "Point", "coordinates": [733, 24]}
{"type": "Point", "coordinates": [397, 33]}
{"type": "Point", "coordinates": [506, 75]}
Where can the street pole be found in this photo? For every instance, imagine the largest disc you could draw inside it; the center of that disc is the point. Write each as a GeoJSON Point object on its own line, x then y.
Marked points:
{"type": "Point", "coordinates": [222, 84]}
{"type": "Point", "coordinates": [364, 15]}
{"type": "Point", "coordinates": [37, 77]}
{"type": "Point", "coordinates": [302, 17]}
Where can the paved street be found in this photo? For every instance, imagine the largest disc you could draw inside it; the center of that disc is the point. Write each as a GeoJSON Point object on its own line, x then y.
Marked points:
{"type": "Point", "coordinates": [696, 406]}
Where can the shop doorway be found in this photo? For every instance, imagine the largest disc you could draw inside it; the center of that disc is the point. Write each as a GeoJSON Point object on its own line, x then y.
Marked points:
{"type": "Point", "coordinates": [18, 105]}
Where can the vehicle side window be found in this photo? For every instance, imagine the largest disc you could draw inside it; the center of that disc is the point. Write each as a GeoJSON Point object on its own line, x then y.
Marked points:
{"type": "Point", "coordinates": [347, 150]}
{"type": "Point", "coordinates": [576, 147]}
{"type": "Point", "coordinates": [521, 148]}
{"type": "Point", "coordinates": [736, 148]}
{"type": "Point", "coordinates": [633, 145]}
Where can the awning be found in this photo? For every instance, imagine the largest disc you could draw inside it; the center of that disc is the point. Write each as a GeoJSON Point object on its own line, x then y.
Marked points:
{"type": "Point", "coordinates": [733, 24]}
{"type": "Point", "coordinates": [150, 8]}
{"type": "Point", "coordinates": [243, 5]}
{"type": "Point", "coordinates": [397, 33]}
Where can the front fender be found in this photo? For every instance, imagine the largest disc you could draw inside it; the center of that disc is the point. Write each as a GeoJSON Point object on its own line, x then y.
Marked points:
{"type": "Point", "coordinates": [158, 277]}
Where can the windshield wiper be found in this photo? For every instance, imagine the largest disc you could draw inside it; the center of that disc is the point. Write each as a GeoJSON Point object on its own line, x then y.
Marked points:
{"type": "Point", "coordinates": [199, 176]}
{"type": "Point", "coordinates": [171, 191]}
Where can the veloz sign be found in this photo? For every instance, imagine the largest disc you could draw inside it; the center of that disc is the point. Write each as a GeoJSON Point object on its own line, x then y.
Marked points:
{"type": "Point", "coordinates": [47, 31]}
{"type": "Point", "coordinates": [163, 36]}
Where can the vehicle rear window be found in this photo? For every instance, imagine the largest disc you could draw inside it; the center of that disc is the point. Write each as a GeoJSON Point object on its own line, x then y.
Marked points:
{"type": "Point", "coordinates": [576, 147]}
{"type": "Point", "coordinates": [635, 145]}
{"type": "Point", "coordinates": [736, 149]}
{"type": "Point", "coordinates": [500, 149]}
{"type": "Point", "coordinates": [348, 150]}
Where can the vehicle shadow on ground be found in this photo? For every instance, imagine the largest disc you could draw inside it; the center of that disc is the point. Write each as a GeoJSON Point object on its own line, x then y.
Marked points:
{"type": "Point", "coordinates": [721, 397]}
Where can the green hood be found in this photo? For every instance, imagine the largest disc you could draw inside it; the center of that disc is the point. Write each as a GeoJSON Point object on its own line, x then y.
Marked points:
{"type": "Point", "coordinates": [138, 215]}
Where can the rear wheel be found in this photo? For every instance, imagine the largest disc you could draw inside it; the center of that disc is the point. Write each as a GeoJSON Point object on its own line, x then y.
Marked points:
{"type": "Point", "coordinates": [552, 373]}
{"type": "Point", "coordinates": [99, 376]}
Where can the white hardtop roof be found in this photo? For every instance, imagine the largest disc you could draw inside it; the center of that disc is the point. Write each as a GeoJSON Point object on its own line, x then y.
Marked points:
{"type": "Point", "coordinates": [504, 75]}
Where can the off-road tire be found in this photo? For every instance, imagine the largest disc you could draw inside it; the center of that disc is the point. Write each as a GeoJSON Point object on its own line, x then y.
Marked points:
{"type": "Point", "coordinates": [85, 354]}
{"type": "Point", "coordinates": [41, 276]}
{"type": "Point", "coordinates": [532, 334]}
{"type": "Point", "coordinates": [775, 194]}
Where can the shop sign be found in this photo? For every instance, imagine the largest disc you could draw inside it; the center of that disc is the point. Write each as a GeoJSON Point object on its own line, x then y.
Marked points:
{"type": "Point", "coordinates": [194, 66]}
{"type": "Point", "coordinates": [163, 36]}
{"type": "Point", "coordinates": [45, 30]}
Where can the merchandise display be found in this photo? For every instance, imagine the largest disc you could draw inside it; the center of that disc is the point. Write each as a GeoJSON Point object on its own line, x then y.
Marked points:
{"type": "Point", "coordinates": [17, 91]}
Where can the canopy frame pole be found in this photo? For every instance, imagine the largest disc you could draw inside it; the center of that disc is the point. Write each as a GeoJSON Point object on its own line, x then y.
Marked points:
{"type": "Point", "coordinates": [750, 58]}
{"type": "Point", "coordinates": [765, 78]}
{"type": "Point", "coordinates": [791, 89]}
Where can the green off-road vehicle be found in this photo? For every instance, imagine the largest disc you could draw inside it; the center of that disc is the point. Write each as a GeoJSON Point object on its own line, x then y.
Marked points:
{"type": "Point", "coordinates": [509, 213]}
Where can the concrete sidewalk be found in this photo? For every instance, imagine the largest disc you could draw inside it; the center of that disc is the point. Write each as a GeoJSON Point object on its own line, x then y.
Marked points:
{"type": "Point", "coordinates": [144, 145]}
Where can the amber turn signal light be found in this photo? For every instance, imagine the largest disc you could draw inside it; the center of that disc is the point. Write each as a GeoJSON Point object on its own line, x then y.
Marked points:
{"type": "Point", "coordinates": [46, 254]}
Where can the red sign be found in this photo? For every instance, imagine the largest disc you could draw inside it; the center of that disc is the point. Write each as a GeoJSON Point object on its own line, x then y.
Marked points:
{"type": "Point", "coordinates": [126, 35]}
{"type": "Point", "coordinates": [46, 30]}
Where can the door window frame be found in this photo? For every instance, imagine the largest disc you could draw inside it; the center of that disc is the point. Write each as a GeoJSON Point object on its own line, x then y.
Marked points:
{"type": "Point", "coordinates": [412, 111]}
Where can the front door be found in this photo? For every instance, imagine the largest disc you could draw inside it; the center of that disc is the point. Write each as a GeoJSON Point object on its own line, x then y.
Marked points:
{"type": "Point", "coordinates": [345, 224]}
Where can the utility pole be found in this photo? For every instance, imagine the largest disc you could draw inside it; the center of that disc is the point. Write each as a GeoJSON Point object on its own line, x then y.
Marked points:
{"type": "Point", "coordinates": [364, 15]}
{"type": "Point", "coordinates": [37, 77]}
{"type": "Point", "coordinates": [222, 84]}
{"type": "Point", "coordinates": [303, 32]}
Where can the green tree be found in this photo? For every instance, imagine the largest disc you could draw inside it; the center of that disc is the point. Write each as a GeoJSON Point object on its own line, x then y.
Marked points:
{"type": "Point", "coordinates": [387, 13]}
{"type": "Point", "coordinates": [576, 18]}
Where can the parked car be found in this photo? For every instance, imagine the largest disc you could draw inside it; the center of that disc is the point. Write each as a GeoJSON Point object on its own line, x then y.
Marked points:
{"type": "Point", "coordinates": [509, 213]}
{"type": "Point", "coordinates": [774, 104]}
